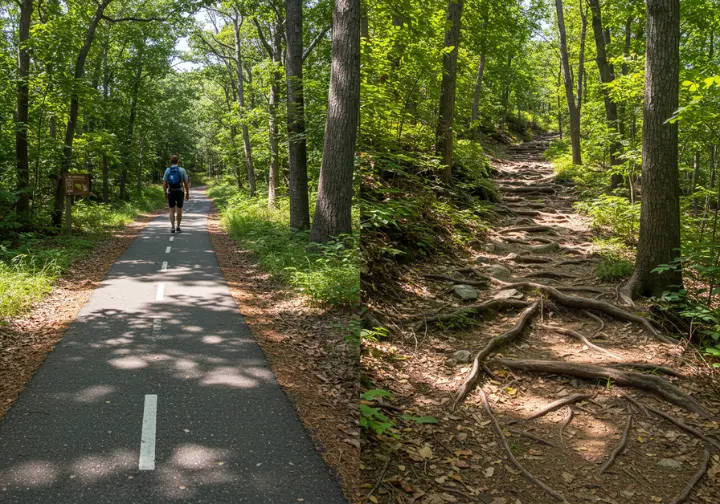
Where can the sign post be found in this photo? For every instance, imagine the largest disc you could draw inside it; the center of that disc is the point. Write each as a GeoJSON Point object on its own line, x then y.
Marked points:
{"type": "Point", "coordinates": [76, 184]}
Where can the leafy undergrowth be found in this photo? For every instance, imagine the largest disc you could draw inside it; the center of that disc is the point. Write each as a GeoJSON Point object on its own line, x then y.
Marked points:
{"type": "Point", "coordinates": [408, 215]}
{"type": "Point", "coordinates": [31, 262]}
{"type": "Point", "coordinates": [327, 274]}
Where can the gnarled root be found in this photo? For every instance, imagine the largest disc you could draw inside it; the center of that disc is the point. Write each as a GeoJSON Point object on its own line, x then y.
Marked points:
{"type": "Point", "coordinates": [473, 311]}
{"type": "Point", "coordinates": [557, 495]}
{"type": "Point", "coordinates": [620, 446]}
{"type": "Point", "coordinates": [578, 336]}
{"type": "Point", "coordinates": [591, 304]}
{"type": "Point", "coordinates": [493, 345]}
{"type": "Point", "coordinates": [650, 383]}
{"type": "Point", "coordinates": [694, 481]}
{"type": "Point", "coordinates": [555, 405]}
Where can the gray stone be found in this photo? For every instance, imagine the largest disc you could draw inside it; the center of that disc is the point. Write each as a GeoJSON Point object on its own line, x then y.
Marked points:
{"type": "Point", "coordinates": [499, 272]}
{"type": "Point", "coordinates": [508, 294]}
{"type": "Point", "coordinates": [671, 463]}
{"type": "Point", "coordinates": [465, 292]}
{"type": "Point", "coordinates": [546, 248]}
{"type": "Point", "coordinates": [498, 248]}
{"type": "Point", "coordinates": [462, 356]}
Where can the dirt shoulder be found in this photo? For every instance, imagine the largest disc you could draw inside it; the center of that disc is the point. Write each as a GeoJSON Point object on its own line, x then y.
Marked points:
{"type": "Point", "coordinates": [305, 346]}
{"type": "Point", "coordinates": [26, 340]}
{"type": "Point", "coordinates": [466, 455]}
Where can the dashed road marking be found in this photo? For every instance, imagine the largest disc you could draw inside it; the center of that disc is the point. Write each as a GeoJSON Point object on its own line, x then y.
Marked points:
{"type": "Point", "coordinates": [160, 291]}
{"type": "Point", "coordinates": [172, 238]}
{"type": "Point", "coordinates": [167, 250]}
{"type": "Point", "coordinates": [164, 266]}
{"type": "Point", "coordinates": [147, 439]}
{"type": "Point", "coordinates": [156, 327]}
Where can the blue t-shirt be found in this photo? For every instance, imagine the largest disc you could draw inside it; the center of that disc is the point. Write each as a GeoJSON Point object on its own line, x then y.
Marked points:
{"type": "Point", "coordinates": [183, 174]}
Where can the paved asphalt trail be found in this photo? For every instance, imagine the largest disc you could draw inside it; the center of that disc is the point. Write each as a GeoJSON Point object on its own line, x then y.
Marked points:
{"type": "Point", "coordinates": [225, 431]}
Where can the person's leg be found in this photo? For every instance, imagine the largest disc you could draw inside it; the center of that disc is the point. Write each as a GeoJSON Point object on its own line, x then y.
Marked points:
{"type": "Point", "coordinates": [179, 216]}
{"type": "Point", "coordinates": [172, 216]}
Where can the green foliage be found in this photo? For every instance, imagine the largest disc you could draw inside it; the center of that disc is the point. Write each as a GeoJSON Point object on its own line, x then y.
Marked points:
{"type": "Point", "coordinates": [371, 419]}
{"type": "Point", "coordinates": [30, 262]}
{"type": "Point", "coordinates": [327, 274]}
{"type": "Point", "coordinates": [613, 215]}
{"type": "Point", "coordinates": [613, 267]}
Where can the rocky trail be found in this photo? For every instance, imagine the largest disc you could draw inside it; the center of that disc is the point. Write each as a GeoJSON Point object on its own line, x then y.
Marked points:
{"type": "Point", "coordinates": [543, 386]}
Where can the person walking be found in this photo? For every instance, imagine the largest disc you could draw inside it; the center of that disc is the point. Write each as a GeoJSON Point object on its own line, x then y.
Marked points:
{"type": "Point", "coordinates": [173, 181]}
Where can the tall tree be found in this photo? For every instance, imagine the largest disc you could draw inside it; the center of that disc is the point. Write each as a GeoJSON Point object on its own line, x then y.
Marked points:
{"type": "Point", "coordinates": [573, 105]}
{"type": "Point", "coordinates": [660, 210]}
{"type": "Point", "coordinates": [444, 132]}
{"type": "Point", "coordinates": [297, 146]}
{"type": "Point", "coordinates": [23, 106]}
{"type": "Point", "coordinates": [607, 75]}
{"type": "Point", "coordinates": [334, 202]}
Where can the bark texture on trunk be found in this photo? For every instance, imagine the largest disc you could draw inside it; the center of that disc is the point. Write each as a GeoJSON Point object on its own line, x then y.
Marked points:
{"type": "Point", "coordinates": [607, 75]}
{"type": "Point", "coordinates": [573, 107]}
{"type": "Point", "coordinates": [297, 147]}
{"type": "Point", "coordinates": [444, 132]}
{"type": "Point", "coordinates": [660, 210]}
{"type": "Point", "coordinates": [334, 203]}
{"type": "Point", "coordinates": [247, 148]}
{"type": "Point", "coordinates": [476, 97]}
{"type": "Point", "coordinates": [74, 108]}
{"type": "Point", "coordinates": [127, 148]}
{"type": "Point", "coordinates": [23, 106]}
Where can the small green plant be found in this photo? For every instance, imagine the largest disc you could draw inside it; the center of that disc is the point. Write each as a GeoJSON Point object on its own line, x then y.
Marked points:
{"type": "Point", "coordinates": [613, 267]}
{"type": "Point", "coordinates": [371, 419]}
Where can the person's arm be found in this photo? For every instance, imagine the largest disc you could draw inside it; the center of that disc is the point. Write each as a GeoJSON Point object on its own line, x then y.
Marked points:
{"type": "Point", "coordinates": [187, 187]}
{"type": "Point", "coordinates": [165, 186]}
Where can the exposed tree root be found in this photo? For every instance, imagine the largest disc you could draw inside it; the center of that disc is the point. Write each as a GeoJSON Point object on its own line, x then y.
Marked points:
{"type": "Point", "coordinates": [650, 367]}
{"type": "Point", "coordinates": [694, 481]}
{"type": "Point", "coordinates": [578, 336]}
{"type": "Point", "coordinates": [464, 281]}
{"type": "Point", "coordinates": [674, 421]}
{"type": "Point", "coordinates": [549, 274]}
{"type": "Point", "coordinates": [493, 345]}
{"type": "Point", "coordinates": [591, 304]}
{"type": "Point", "coordinates": [596, 319]}
{"type": "Point", "coordinates": [531, 259]}
{"type": "Point", "coordinates": [555, 405]}
{"type": "Point", "coordinates": [529, 189]}
{"type": "Point", "coordinates": [566, 421]}
{"type": "Point", "coordinates": [532, 436]}
{"type": "Point", "coordinates": [650, 383]}
{"type": "Point", "coordinates": [575, 261]}
{"type": "Point", "coordinates": [620, 446]}
{"type": "Point", "coordinates": [498, 430]}
{"type": "Point", "coordinates": [528, 229]}
{"type": "Point", "coordinates": [579, 288]}
{"type": "Point", "coordinates": [473, 310]}
{"type": "Point", "coordinates": [527, 213]}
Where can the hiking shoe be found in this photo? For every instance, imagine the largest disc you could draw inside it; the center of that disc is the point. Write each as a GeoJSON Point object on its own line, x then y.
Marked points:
{"type": "Point", "coordinates": [172, 230]}
{"type": "Point", "coordinates": [178, 229]}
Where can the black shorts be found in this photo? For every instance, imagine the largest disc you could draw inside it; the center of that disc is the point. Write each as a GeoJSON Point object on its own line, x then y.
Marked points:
{"type": "Point", "coordinates": [176, 198]}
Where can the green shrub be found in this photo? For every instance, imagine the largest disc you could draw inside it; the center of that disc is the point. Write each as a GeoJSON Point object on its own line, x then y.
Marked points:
{"type": "Point", "coordinates": [613, 267]}
{"type": "Point", "coordinates": [614, 215]}
{"type": "Point", "coordinates": [327, 274]}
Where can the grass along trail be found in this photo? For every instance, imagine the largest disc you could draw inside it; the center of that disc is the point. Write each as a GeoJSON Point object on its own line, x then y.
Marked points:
{"type": "Point", "coordinates": [566, 362]}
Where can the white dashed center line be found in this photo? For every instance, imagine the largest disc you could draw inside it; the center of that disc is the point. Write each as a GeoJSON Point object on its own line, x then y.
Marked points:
{"type": "Point", "coordinates": [172, 238]}
{"type": "Point", "coordinates": [160, 291]}
{"type": "Point", "coordinates": [167, 250]}
{"type": "Point", "coordinates": [147, 440]}
{"type": "Point", "coordinates": [164, 266]}
{"type": "Point", "coordinates": [157, 327]}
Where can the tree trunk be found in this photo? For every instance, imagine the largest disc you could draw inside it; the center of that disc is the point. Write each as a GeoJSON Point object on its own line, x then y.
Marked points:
{"type": "Point", "coordinates": [297, 147]}
{"type": "Point", "coordinates": [444, 133]}
{"type": "Point", "coordinates": [607, 75]}
{"type": "Point", "coordinates": [660, 210]}
{"type": "Point", "coordinates": [140, 164]}
{"type": "Point", "coordinates": [476, 97]}
{"type": "Point", "coordinates": [106, 122]}
{"type": "Point", "coordinates": [573, 108]}
{"type": "Point", "coordinates": [127, 148]}
{"type": "Point", "coordinates": [23, 106]}
{"type": "Point", "coordinates": [335, 191]}
{"type": "Point", "coordinates": [237, 21]}
{"type": "Point", "coordinates": [73, 116]}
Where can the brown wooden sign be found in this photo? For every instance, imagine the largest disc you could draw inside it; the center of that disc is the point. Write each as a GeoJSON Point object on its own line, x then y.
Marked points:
{"type": "Point", "coordinates": [77, 184]}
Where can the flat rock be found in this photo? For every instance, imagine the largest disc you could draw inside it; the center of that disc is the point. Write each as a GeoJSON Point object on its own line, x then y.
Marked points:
{"type": "Point", "coordinates": [546, 248]}
{"type": "Point", "coordinates": [671, 463]}
{"type": "Point", "coordinates": [508, 294]}
{"type": "Point", "coordinates": [499, 272]}
{"type": "Point", "coordinates": [462, 356]}
{"type": "Point", "coordinates": [465, 292]}
{"type": "Point", "coordinates": [498, 248]}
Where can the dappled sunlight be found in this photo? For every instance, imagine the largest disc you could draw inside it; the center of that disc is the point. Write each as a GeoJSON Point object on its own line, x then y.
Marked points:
{"type": "Point", "coordinates": [92, 468]}
{"type": "Point", "coordinates": [32, 473]}
{"type": "Point", "coordinates": [94, 393]}
{"type": "Point", "coordinates": [195, 457]}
